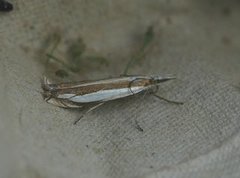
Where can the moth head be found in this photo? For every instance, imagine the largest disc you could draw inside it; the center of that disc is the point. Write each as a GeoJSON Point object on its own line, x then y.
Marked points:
{"type": "Point", "coordinates": [161, 79]}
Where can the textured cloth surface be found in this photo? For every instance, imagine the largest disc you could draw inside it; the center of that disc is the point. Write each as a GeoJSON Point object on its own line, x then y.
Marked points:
{"type": "Point", "coordinates": [198, 41]}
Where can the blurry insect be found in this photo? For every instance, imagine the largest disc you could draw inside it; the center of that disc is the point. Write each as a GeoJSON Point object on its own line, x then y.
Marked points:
{"type": "Point", "coordinates": [97, 92]}
{"type": "Point", "coordinates": [5, 6]}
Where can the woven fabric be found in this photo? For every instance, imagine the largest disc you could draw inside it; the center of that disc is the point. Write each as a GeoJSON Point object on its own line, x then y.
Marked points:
{"type": "Point", "coordinates": [198, 41]}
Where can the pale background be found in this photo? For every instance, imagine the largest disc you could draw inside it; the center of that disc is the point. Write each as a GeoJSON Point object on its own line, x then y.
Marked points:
{"type": "Point", "coordinates": [197, 40]}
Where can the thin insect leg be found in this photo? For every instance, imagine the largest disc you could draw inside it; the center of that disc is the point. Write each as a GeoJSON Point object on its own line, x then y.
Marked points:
{"type": "Point", "coordinates": [89, 110]}
{"type": "Point", "coordinates": [170, 101]}
{"type": "Point", "coordinates": [138, 126]}
{"type": "Point", "coordinates": [48, 98]}
{"type": "Point", "coordinates": [156, 90]}
{"type": "Point", "coordinates": [145, 93]}
{"type": "Point", "coordinates": [63, 103]}
{"type": "Point", "coordinates": [150, 91]}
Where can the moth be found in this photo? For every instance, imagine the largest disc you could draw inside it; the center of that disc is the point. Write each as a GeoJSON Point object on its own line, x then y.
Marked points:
{"type": "Point", "coordinates": [97, 92]}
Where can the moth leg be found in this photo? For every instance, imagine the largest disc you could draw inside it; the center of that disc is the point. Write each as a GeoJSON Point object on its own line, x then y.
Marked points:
{"type": "Point", "coordinates": [88, 111]}
{"type": "Point", "coordinates": [167, 100]}
{"type": "Point", "coordinates": [138, 127]}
